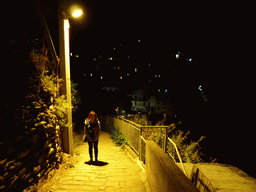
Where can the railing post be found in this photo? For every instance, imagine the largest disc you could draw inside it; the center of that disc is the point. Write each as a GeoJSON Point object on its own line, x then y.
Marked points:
{"type": "Point", "coordinates": [165, 140]}
{"type": "Point", "coordinates": [140, 145]}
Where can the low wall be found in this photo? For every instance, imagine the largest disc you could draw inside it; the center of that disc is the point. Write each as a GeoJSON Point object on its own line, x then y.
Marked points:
{"type": "Point", "coordinates": [163, 174]}
{"type": "Point", "coordinates": [221, 177]}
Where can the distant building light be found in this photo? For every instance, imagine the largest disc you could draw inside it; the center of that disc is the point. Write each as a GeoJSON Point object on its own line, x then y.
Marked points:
{"type": "Point", "coordinates": [149, 64]}
{"type": "Point", "coordinates": [101, 77]}
{"type": "Point", "coordinates": [110, 58]}
{"type": "Point", "coordinates": [121, 77]}
{"type": "Point", "coordinates": [159, 90]}
{"type": "Point", "coordinates": [114, 48]}
{"type": "Point", "coordinates": [190, 59]}
{"type": "Point", "coordinates": [91, 74]}
{"type": "Point", "coordinates": [85, 75]}
{"type": "Point", "coordinates": [76, 55]}
{"type": "Point", "coordinates": [138, 40]}
{"type": "Point", "coordinates": [118, 68]}
{"type": "Point", "coordinates": [136, 69]}
{"type": "Point", "coordinates": [200, 88]}
{"type": "Point", "coordinates": [71, 54]}
{"type": "Point", "coordinates": [128, 57]}
{"type": "Point", "coordinates": [159, 76]}
{"type": "Point", "coordinates": [128, 74]}
{"type": "Point", "coordinates": [94, 59]}
{"type": "Point", "coordinates": [100, 56]}
{"type": "Point", "coordinates": [155, 76]}
{"type": "Point", "coordinates": [179, 53]}
{"type": "Point", "coordinates": [177, 56]}
{"type": "Point", "coordinates": [165, 90]}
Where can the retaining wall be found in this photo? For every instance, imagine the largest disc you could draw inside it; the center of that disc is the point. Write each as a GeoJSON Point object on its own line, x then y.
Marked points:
{"type": "Point", "coordinates": [27, 158]}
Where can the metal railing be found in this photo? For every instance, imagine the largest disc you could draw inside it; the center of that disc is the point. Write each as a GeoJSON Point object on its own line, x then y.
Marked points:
{"type": "Point", "coordinates": [138, 136]}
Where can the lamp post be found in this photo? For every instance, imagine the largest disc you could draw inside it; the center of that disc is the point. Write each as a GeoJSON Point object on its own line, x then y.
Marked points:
{"type": "Point", "coordinates": [65, 89]}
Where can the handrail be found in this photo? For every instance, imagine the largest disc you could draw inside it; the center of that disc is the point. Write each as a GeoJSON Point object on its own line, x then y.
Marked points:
{"type": "Point", "coordinates": [178, 156]}
{"type": "Point", "coordinates": [143, 139]}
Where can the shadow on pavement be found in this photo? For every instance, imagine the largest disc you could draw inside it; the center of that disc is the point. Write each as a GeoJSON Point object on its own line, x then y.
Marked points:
{"type": "Point", "coordinates": [98, 163]}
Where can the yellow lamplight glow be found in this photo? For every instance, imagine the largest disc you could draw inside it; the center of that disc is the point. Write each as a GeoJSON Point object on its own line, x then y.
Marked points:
{"type": "Point", "coordinates": [77, 13]}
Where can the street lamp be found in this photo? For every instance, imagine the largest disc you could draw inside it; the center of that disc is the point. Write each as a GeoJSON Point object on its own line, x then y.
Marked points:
{"type": "Point", "coordinates": [64, 53]}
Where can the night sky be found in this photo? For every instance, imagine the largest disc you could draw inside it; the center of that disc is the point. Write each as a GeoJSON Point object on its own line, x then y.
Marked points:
{"type": "Point", "coordinates": [218, 36]}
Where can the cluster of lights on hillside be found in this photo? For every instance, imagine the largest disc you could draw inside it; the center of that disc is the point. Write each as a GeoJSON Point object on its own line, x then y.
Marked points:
{"type": "Point", "coordinates": [202, 93]}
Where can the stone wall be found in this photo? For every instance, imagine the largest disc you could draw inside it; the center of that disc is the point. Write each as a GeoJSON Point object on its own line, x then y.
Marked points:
{"type": "Point", "coordinates": [27, 158]}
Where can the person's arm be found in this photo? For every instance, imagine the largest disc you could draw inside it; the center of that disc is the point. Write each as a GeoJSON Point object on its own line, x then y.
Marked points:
{"type": "Point", "coordinates": [98, 131]}
{"type": "Point", "coordinates": [85, 124]}
{"type": "Point", "coordinates": [86, 132]}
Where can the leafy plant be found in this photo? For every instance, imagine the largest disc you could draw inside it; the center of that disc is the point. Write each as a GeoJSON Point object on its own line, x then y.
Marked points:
{"type": "Point", "coordinates": [68, 165]}
{"type": "Point", "coordinates": [119, 138]}
{"type": "Point", "coordinates": [190, 153]}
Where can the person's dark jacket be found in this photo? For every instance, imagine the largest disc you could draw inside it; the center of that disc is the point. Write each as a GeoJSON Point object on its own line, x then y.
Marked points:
{"type": "Point", "coordinates": [92, 130]}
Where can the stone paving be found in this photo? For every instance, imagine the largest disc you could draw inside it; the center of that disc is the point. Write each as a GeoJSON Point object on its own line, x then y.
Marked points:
{"type": "Point", "coordinates": [115, 171]}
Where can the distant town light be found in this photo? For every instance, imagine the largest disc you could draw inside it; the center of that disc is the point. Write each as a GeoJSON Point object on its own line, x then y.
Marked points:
{"type": "Point", "coordinates": [200, 88]}
{"type": "Point", "coordinates": [91, 74]}
{"type": "Point", "coordinates": [190, 59]}
{"type": "Point", "coordinates": [136, 69]}
{"type": "Point", "coordinates": [121, 77]}
{"type": "Point", "coordinates": [101, 77]}
{"type": "Point", "coordinates": [159, 90]}
{"type": "Point", "coordinates": [128, 74]}
{"type": "Point", "coordinates": [165, 90]}
{"type": "Point", "coordinates": [71, 54]}
{"type": "Point", "coordinates": [138, 40]}
{"type": "Point", "coordinates": [177, 56]}
{"type": "Point", "coordinates": [110, 58]}
{"type": "Point", "coordinates": [149, 64]}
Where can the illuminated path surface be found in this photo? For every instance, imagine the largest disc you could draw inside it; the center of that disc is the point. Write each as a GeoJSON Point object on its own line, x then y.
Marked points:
{"type": "Point", "coordinates": [115, 172]}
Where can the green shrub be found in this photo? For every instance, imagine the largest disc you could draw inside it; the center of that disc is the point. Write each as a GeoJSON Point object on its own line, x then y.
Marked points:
{"type": "Point", "coordinates": [119, 138]}
{"type": "Point", "coordinates": [190, 153]}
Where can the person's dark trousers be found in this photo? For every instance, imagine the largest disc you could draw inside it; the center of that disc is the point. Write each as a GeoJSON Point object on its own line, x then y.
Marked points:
{"type": "Point", "coordinates": [95, 145]}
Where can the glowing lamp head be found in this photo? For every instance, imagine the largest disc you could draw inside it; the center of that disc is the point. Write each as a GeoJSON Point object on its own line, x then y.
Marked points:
{"type": "Point", "coordinates": [77, 13]}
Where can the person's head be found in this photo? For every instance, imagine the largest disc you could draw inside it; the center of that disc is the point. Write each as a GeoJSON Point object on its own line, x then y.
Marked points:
{"type": "Point", "coordinates": [92, 116]}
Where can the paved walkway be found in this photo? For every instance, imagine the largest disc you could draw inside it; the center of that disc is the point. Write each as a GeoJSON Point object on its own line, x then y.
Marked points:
{"type": "Point", "coordinates": [114, 172]}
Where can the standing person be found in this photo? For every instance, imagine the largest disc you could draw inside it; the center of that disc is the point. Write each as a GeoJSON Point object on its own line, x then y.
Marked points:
{"type": "Point", "coordinates": [92, 131]}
